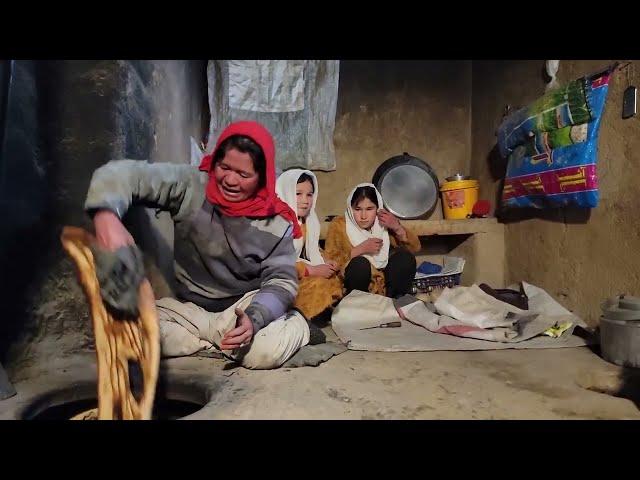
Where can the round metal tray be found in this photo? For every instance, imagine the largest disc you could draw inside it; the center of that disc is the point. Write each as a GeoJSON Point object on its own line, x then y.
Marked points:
{"type": "Point", "coordinates": [408, 186]}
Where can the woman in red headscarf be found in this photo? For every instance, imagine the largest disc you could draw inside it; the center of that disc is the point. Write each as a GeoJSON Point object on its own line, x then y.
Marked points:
{"type": "Point", "coordinates": [234, 257]}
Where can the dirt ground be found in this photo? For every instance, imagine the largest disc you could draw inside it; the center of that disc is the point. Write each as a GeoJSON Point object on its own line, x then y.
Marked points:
{"type": "Point", "coordinates": [568, 383]}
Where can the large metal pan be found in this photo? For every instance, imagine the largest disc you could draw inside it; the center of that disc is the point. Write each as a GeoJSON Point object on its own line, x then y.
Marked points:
{"type": "Point", "coordinates": [408, 186]}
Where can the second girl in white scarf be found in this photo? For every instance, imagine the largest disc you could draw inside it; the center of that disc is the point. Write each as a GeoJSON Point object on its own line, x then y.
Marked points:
{"type": "Point", "coordinates": [374, 252]}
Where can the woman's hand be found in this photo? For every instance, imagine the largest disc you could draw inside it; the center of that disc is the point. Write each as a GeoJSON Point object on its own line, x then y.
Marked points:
{"type": "Point", "coordinates": [239, 336]}
{"type": "Point", "coordinates": [111, 234]}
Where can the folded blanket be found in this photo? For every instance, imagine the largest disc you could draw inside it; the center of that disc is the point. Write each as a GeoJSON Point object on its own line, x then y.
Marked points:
{"type": "Point", "coordinates": [470, 312]}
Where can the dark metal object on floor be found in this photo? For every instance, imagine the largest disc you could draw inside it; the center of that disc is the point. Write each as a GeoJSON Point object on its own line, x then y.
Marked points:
{"type": "Point", "coordinates": [6, 389]}
{"type": "Point", "coordinates": [385, 325]}
{"type": "Point", "coordinates": [408, 186]}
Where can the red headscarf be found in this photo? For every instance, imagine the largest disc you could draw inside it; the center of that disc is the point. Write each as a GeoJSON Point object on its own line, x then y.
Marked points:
{"type": "Point", "coordinates": [265, 202]}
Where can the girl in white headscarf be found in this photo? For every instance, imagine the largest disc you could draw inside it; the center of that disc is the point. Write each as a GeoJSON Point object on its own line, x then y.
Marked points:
{"type": "Point", "coordinates": [374, 252]}
{"type": "Point", "coordinates": [319, 288]}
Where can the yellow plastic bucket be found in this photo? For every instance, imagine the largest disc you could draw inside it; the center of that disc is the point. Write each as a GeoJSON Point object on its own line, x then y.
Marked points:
{"type": "Point", "coordinates": [458, 198]}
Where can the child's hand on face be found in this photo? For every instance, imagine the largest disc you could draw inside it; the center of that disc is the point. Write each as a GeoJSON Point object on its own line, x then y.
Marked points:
{"type": "Point", "coordinates": [388, 220]}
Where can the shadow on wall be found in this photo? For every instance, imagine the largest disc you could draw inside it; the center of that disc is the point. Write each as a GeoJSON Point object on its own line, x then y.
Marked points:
{"type": "Point", "coordinates": [496, 163]}
{"type": "Point", "coordinates": [67, 118]}
{"type": "Point", "coordinates": [28, 234]}
{"type": "Point", "coordinates": [62, 130]}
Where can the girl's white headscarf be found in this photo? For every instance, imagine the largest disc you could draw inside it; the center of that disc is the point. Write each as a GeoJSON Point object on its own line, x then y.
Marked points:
{"type": "Point", "coordinates": [357, 235]}
{"type": "Point", "coordinates": [286, 190]}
